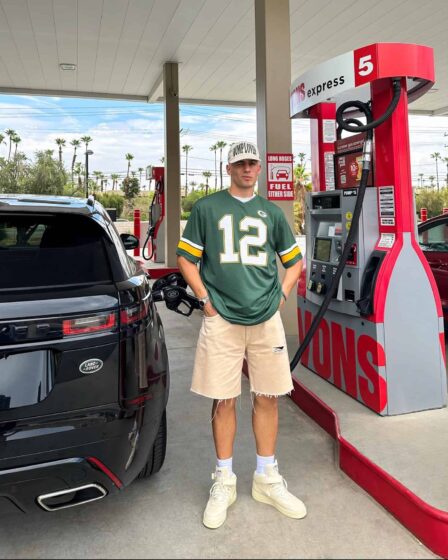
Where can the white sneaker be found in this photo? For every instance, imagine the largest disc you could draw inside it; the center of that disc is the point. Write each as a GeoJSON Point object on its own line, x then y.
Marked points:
{"type": "Point", "coordinates": [222, 495]}
{"type": "Point", "coordinates": [271, 488]}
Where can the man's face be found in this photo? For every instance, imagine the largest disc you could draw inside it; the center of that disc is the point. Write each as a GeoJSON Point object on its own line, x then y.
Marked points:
{"type": "Point", "coordinates": [244, 173]}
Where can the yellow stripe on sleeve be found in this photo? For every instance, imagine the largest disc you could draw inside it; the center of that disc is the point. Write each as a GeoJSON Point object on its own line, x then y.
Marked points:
{"type": "Point", "coordinates": [192, 250]}
{"type": "Point", "coordinates": [289, 256]}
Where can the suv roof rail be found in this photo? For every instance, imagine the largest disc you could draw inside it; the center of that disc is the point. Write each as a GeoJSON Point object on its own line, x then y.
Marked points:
{"type": "Point", "coordinates": [91, 200]}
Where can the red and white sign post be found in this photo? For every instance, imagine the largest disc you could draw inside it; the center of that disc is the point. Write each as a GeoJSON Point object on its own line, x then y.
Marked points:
{"type": "Point", "coordinates": [280, 176]}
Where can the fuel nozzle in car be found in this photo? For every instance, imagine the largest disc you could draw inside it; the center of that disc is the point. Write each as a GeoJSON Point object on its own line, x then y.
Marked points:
{"type": "Point", "coordinates": [172, 289]}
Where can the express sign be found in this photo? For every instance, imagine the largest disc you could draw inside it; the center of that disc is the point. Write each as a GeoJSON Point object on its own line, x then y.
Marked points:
{"type": "Point", "coordinates": [362, 66]}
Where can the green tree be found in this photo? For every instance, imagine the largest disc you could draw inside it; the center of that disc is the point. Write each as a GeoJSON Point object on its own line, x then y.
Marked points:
{"type": "Point", "coordinates": [79, 171]}
{"type": "Point", "coordinates": [437, 156]}
{"type": "Point", "coordinates": [10, 132]}
{"type": "Point", "coordinates": [10, 182]}
{"type": "Point", "coordinates": [16, 141]}
{"type": "Point", "coordinates": [114, 177]}
{"type": "Point", "coordinates": [111, 200]}
{"type": "Point", "coordinates": [206, 175]}
{"type": "Point", "coordinates": [129, 158]}
{"type": "Point", "coordinates": [214, 148]}
{"type": "Point", "coordinates": [445, 159]}
{"type": "Point", "coordinates": [46, 176]}
{"type": "Point", "coordinates": [301, 186]}
{"type": "Point", "coordinates": [186, 149]}
{"type": "Point", "coordinates": [130, 187]}
{"type": "Point", "coordinates": [421, 179]}
{"type": "Point", "coordinates": [431, 178]}
{"type": "Point", "coordinates": [87, 140]}
{"type": "Point", "coordinates": [140, 170]}
{"type": "Point", "coordinates": [220, 144]}
{"type": "Point", "coordinates": [60, 143]}
{"type": "Point", "coordinates": [97, 175]}
{"type": "Point", "coordinates": [432, 200]}
{"type": "Point", "coordinates": [75, 143]}
{"type": "Point", "coordinates": [2, 139]}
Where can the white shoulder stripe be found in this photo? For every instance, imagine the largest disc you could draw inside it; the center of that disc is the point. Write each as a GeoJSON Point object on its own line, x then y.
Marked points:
{"type": "Point", "coordinates": [200, 247]}
{"type": "Point", "coordinates": [288, 250]}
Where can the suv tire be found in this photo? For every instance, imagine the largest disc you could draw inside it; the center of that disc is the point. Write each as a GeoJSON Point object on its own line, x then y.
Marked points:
{"type": "Point", "coordinates": [156, 456]}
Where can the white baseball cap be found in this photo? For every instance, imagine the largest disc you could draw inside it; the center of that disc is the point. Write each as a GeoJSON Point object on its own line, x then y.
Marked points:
{"type": "Point", "coordinates": [243, 150]}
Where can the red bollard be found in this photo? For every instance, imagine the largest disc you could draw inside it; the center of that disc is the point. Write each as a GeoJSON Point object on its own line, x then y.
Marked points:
{"type": "Point", "coordinates": [137, 231]}
{"type": "Point", "coordinates": [423, 214]}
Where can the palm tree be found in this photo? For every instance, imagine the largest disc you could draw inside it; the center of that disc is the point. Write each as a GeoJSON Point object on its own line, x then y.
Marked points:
{"type": "Point", "coordinates": [162, 159]}
{"type": "Point", "coordinates": [75, 143]}
{"type": "Point", "coordinates": [301, 156]}
{"type": "Point", "coordinates": [207, 176]}
{"type": "Point", "coordinates": [114, 177]}
{"type": "Point", "coordinates": [86, 140]}
{"type": "Point", "coordinates": [214, 148]}
{"type": "Point", "coordinates": [436, 156]}
{"type": "Point", "coordinates": [220, 145]}
{"type": "Point", "coordinates": [186, 149]}
{"type": "Point", "coordinates": [16, 140]}
{"type": "Point", "coordinates": [129, 158]}
{"type": "Point", "coordinates": [11, 133]}
{"type": "Point", "coordinates": [61, 143]}
{"type": "Point", "coordinates": [78, 171]}
{"type": "Point", "coordinates": [140, 170]}
{"type": "Point", "coordinates": [421, 179]}
{"type": "Point", "coordinates": [97, 175]}
{"type": "Point", "coordinates": [431, 178]}
{"type": "Point", "coordinates": [444, 159]}
{"type": "Point", "coordinates": [2, 138]}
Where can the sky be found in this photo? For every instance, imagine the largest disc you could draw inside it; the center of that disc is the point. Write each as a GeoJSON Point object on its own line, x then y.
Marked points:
{"type": "Point", "coordinates": [120, 127]}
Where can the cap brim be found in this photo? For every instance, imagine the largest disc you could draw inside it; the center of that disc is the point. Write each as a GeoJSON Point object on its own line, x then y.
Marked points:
{"type": "Point", "coordinates": [240, 157]}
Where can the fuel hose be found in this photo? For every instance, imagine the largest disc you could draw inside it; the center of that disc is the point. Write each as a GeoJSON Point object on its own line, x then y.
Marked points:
{"type": "Point", "coordinates": [354, 126]}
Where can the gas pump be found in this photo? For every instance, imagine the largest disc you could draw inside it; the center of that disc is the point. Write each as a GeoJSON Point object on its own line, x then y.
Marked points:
{"type": "Point", "coordinates": [155, 239]}
{"type": "Point", "coordinates": [371, 322]}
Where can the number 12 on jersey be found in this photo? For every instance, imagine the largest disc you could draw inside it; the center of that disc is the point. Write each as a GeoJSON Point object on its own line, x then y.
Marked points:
{"type": "Point", "coordinates": [245, 241]}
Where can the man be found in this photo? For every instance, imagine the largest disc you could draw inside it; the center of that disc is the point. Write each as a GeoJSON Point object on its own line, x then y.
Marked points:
{"type": "Point", "coordinates": [236, 235]}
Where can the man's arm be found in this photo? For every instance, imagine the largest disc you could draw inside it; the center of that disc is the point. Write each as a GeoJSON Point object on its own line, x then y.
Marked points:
{"type": "Point", "coordinates": [190, 272]}
{"type": "Point", "coordinates": [291, 277]}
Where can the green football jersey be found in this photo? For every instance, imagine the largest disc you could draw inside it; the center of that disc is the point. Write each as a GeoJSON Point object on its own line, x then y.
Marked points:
{"type": "Point", "coordinates": [237, 243]}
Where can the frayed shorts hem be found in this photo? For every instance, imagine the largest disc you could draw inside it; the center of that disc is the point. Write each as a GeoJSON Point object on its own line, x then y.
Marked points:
{"type": "Point", "coordinates": [215, 398]}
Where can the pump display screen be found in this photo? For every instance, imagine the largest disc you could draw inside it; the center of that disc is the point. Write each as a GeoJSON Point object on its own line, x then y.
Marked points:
{"type": "Point", "coordinates": [322, 249]}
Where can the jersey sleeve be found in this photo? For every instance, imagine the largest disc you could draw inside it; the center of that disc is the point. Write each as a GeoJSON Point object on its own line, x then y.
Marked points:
{"type": "Point", "coordinates": [191, 244]}
{"type": "Point", "coordinates": [286, 244]}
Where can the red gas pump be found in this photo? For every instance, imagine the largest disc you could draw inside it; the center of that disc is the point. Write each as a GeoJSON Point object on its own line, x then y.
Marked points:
{"type": "Point", "coordinates": [155, 239]}
{"type": "Point", "coordinates": [371, 321]}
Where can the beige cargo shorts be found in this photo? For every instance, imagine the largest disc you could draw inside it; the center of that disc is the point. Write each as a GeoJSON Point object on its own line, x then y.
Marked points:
{"type": "Point", "coordinates": [220, 353]}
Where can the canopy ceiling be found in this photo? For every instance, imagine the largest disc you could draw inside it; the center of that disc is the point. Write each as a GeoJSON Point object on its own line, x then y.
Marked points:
{"type": "Point", "coordinates": [119, 46]}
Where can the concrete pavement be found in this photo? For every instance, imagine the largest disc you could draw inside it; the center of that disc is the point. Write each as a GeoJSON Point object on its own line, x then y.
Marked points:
{"type": "Point", "coordinates": [161, 517]}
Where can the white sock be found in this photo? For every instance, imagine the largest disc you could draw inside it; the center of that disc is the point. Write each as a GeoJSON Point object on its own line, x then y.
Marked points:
{"type": "Point", "coordinates": [263, 461]}
{"type": "Point", "coordinates": [225, 463]}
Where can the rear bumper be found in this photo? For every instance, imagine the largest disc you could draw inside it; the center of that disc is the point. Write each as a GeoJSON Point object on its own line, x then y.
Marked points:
{"type": "Point", "coordinates": [31, 488]}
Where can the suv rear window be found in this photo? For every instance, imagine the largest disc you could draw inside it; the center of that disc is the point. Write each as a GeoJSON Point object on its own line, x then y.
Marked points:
{"type": "Point", "coordinates": [59, 250]}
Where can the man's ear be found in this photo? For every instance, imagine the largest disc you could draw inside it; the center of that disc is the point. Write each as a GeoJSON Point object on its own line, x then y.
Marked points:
{"type": "Point", "coordinates": [228, 168]}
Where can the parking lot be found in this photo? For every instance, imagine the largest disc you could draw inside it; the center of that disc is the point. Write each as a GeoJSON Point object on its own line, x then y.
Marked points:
{"type": "Point", "coordinates": [161, 517]}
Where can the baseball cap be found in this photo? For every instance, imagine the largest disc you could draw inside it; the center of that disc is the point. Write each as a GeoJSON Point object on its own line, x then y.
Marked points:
{"type": "Point", "coordinates": [243, 150]}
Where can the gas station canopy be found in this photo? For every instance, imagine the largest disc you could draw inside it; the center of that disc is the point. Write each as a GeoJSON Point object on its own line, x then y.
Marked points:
{"type": "Point", "coordinates": [116, 49]}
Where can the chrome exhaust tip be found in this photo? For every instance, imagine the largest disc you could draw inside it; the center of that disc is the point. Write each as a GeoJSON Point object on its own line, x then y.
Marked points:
{"type": "Point", "coordinates": [71, 497]}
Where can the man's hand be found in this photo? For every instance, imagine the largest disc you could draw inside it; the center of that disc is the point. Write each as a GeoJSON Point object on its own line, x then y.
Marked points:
{"type": "Point", "coordinates": [209, 310]}
{"type": "Point", "coordinates": [282, 302]}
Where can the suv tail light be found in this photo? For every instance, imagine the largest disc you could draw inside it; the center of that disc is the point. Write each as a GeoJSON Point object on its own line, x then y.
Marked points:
{"type": "Point", "coordinates": [134, 313]}
{"type": "Point", "coordinates": [89, 324]}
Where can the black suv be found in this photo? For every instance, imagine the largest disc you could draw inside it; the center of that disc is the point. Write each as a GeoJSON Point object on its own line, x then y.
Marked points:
{"type": "Point", "coordinates": [84, 375]}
